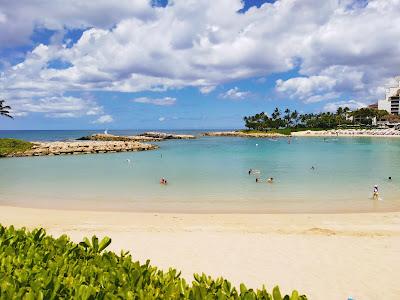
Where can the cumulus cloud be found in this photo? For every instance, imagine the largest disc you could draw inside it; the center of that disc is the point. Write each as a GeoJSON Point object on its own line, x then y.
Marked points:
{"type": "Point", "coordinates": [166, 101]}
{"type": "Point", "coordinates": [18, 19]}
{"type": "Point", "coordinates": [306, 88]}
{"type": "Point", "coordinates": [104, 119]}
{"type": "Point", "coordinates": [235, 94]}
{"type": "Point", "coordinates": [55, 106]}
{"type": "Point", "coordinates": [336, 46]}
{"type": "Point", "coordinates": [207, 89]}
{"type": "Point", "coordinates": [352, 104]}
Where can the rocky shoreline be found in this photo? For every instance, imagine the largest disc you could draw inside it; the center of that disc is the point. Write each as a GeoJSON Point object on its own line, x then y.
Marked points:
{"type": "Point", "coordinates": [84, 147]}
{"type": "Point", "coordinates": [143, 137]}
{"type": "Point", "coordinates": [99, 143]}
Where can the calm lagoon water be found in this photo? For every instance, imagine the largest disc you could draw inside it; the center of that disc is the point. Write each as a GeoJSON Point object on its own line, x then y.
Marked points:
{"type": "Point", "coordinates": [209, 174]}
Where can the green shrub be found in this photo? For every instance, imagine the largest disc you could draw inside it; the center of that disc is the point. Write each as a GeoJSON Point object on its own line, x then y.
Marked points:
{"type": "Point", "coordinates": [9, 146]}
{"type": "Point", "coordinates": [34, 265]}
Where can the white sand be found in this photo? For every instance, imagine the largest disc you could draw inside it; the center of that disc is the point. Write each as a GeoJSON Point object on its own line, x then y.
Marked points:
{"type": "Point", "coordinates": [325, 256]}
{"type": "Point", "coordinates": [386, 133]}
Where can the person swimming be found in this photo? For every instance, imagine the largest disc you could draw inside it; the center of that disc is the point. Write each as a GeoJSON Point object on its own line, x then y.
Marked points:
{"type": "Point", "coordinates": [257, 180]}
{"type": "Point", "coordinates": [250, 171]}
{"type": "Point", "coordinates": [270, 180]}
{"type": "Point", "coordinates": [312, 168]}
{"type": "Point", "coordinates": [390, 178]}
{"type": "Point", "coordinates": [163, 181]}
{"type": "Point", "coordinates": [375, 195]}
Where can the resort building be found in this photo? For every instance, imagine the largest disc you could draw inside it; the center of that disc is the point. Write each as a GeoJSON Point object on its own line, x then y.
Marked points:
{"type": "Point", "coordinates": [391, 101]}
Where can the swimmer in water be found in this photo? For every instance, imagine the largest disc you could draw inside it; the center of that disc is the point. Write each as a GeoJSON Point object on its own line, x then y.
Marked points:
{"type": "Point", "coordinates": [375, 195]}
{"type": "Point", "coordinates": [312, 168]}
{"type": "Point", "coordinates": [270, 180]}
{"type": "Point", "coordinates": [250, 171]}
{"type": "Point", "coordinates": [257, 180]}
{"type": "Point", "coordinates": [163, 181]}
{"type": "Point", "coordinates": [390, 178]}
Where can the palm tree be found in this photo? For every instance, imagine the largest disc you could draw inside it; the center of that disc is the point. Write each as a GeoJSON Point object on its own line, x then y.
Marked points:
{"type": "Point", "coordinates": [276, 114]}
{"type": "Point", "coordinates": [4, 109]}
{"type": "Point", "coordinates": [287, 117]}
{"type": "Point", "coordinates": [295, 117]}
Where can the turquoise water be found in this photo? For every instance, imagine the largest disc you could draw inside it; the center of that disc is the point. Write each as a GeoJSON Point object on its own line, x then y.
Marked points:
{"type": "Point", "coordinates": [210, 174]}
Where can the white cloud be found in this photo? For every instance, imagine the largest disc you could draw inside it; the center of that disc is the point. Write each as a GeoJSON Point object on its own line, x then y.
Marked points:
{"type": "Point", "coordinates": [207, 89]}
{"type": "Point", "coordinates": [104, 119]}
{"type": "Point", "coordinates": [161, 119]}
{"type": "Point", "coordinates": [305, 88]}
{"type": "Point", "coordinates": [235, 94]}
{"type": "Point", "coordinates": [337, 47]}
{"type": "Point", "coordinates": [166, 101]}
{"type": "Point", "coordinates": [352, 104]}
{"type": "Point", "coordinates": [54, 106]}
{"type": "Point", "coordinates": [18, 19]}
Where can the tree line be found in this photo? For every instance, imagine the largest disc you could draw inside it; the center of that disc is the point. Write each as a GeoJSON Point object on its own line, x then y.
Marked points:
{"type": "Point", "coordinates": [324, 120]}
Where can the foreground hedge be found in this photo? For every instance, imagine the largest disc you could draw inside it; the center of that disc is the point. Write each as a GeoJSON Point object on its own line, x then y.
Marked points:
{"type": "Point", "coordinates": [36, 266]}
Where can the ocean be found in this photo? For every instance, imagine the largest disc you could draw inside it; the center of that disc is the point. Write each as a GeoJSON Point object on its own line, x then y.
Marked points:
{"type": "Point", "coordinates": [209, 174]}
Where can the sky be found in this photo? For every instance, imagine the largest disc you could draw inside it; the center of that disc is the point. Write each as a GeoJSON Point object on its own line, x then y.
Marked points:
{"type": "Point", "coordinates": [190, 64]}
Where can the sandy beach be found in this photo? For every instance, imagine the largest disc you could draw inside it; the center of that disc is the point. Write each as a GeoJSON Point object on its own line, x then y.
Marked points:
{"type": "Point", "coordinates": [390, 132]}
{"type": "Point", "coordinates": [325, 256]}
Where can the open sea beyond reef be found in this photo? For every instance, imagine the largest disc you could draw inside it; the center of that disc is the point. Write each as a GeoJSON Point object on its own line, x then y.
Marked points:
{"type": "Point", "coordinates": [209, 174]}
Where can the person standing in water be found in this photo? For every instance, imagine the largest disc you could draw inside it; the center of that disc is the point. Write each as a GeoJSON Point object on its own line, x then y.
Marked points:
{"type": "Point", "coordinates": [375, 195]}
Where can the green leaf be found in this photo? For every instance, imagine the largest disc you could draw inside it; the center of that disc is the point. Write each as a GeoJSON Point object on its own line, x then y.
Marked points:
{"type": "Point", "coordinates": [105, 242]}
{"type": "Point", "coordinates": [95, 244]}
{"type": "Point", "coordinates": [276, 293]}
{"type": "Point", "coordinates": [243, 289]}
{"type": "Point", "coordinates": [295, 295]}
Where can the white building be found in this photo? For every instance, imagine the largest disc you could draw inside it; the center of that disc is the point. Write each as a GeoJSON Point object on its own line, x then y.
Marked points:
{"type": "Point", "coordinates": [391, 101]}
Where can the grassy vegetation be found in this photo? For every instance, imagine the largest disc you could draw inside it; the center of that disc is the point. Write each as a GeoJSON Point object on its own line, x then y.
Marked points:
{"type": "Point", "coordinates": [9, 146]}
{"type": "Point", "coordinates": [285, 131]}
{"type": "Point", "coordinates": [36, 266]}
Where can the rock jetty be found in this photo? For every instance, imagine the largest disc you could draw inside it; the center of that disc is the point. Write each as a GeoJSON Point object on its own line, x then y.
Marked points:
{"type": "Point", "coordinates": [111, 137]}
{"type": "Point", "coordinates": [167, 136]}
{"type": "Point", "coordinates": [243, 134]}
{"type": "Point", "coordinates": [84, 147]}
{"type": "Point", "coordinates": [144, 137]}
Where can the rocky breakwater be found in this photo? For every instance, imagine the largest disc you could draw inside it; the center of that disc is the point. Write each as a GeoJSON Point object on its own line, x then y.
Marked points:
{"type": "Point", "coordinates": [243, 134]}
{"type": "Point", "coordinates": [84, 147]}
{"type": "Point", "coordinates": [111, 137]}
{"type": "Point", "coordinates": [144, 137]}
{"type": "Point", "coordinates": [167, 136]}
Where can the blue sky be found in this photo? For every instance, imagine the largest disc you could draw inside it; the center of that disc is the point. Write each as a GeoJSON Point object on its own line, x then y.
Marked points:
{"type": "Point", "coordinates": [175, 65]}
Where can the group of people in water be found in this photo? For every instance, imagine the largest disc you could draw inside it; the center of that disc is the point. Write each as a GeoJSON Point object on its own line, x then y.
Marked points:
{"type": "Point", "coordinates": [258, 180]}
{"type": "Point", "coordinates": [375, 195]}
